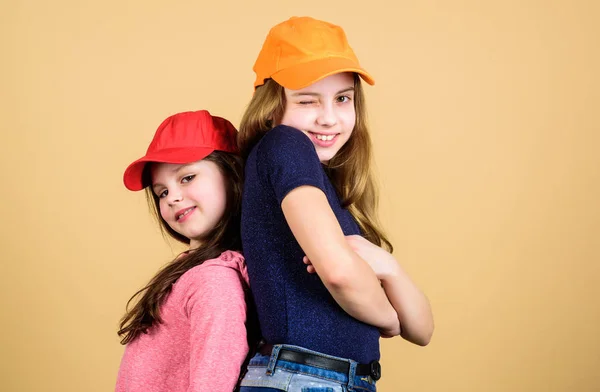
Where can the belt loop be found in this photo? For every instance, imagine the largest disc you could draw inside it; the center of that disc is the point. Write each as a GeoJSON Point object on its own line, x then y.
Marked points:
{"type": "Point", "coordinates": [351, 375]}
{"type": "Point", "coordinates": [273, 359]}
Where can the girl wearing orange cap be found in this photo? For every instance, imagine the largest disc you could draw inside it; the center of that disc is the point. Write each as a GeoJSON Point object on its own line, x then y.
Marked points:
{"type": "Point", "coordinates": [309, 203]}
{"type": "Point", "coordinates": [191, 329]}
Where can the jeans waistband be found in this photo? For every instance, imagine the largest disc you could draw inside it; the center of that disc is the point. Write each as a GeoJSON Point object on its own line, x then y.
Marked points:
{"type": "Point", "coordinates": [349, 370]}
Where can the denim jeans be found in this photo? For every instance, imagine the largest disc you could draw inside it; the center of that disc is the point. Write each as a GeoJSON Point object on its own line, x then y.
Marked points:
{"type": "Point", "coordinates": [268, 373]}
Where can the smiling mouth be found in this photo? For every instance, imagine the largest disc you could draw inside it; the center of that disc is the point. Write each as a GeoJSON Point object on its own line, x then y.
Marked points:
{"type": "Point", "coordinates": [184, 213]}
{"type": "Point", "coordinates": [323, 137]}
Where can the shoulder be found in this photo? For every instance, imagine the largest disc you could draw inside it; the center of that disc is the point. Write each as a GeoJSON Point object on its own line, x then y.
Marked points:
{"type": "Point", "coordinates": [217, 286]}
{"type": "Point", "coordinates": [286, 159]}
{"type": "Point", "coordinates": [284, 140]}
{"type": "Point", "coordinates": [229, 269]}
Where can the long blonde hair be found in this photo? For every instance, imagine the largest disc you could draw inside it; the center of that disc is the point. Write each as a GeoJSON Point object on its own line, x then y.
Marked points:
{"type": "Point", "coordinates": [349, 170]}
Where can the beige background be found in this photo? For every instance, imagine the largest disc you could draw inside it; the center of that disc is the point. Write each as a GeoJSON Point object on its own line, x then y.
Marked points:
{"type": "Point", "coordinates": [486, 127]}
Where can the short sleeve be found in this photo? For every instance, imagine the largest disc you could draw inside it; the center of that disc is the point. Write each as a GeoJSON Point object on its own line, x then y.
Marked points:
{"type": "Point", "coordinates": [286, 159]}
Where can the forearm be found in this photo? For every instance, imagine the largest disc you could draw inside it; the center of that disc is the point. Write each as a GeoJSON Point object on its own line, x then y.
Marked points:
{"type": "Point", "coordinates": [411, 305]}
{"type": "Point", "coordinates": [349, 279]}
{"type": "Point", "coordinates": [360, 294]}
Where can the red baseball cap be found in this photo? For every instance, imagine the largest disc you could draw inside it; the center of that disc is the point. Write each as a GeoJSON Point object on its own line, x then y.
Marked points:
{"type": "Point", "coordinates": [183, 138]}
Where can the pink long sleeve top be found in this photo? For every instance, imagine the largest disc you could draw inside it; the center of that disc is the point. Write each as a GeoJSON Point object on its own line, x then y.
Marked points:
{"type": "Point", "coordinates": [201, 344]}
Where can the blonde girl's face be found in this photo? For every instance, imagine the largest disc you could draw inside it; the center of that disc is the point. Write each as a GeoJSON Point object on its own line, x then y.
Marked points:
{"type": "Point", "coordinates": [192, 197]}
{"type": "Point", "coordinates": [324, 111]}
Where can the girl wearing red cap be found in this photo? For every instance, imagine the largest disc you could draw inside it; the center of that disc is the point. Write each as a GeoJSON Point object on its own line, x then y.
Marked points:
{"type": "Point", "coordinates": [309, 203]}
{"type": "Point", "coordinates": [191, 328]}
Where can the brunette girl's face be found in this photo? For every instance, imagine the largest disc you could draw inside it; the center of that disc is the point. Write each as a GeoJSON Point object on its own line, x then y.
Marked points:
{"type": "Point", "coordinates": [324, 111]}
{"type": "Point", "coordinates": [192, 197]}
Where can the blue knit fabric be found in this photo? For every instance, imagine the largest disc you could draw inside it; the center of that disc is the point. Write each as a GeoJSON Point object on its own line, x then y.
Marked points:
{"type": "Point", "coordinates": [294, 307]}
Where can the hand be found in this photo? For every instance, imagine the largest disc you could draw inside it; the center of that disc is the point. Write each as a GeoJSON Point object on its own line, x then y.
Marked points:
{"type": "Point", "coordinates": [381, 262]}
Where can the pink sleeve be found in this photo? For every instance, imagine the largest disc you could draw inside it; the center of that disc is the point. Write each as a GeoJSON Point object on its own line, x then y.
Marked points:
{"type": "Point", "coordinates": [217, 313]}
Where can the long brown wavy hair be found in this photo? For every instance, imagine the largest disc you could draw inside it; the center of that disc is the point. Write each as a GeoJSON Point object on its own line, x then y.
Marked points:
{"type": "Point", "coordinates": [224, 236]}
{"type": "Point", "coordinates": [349, 170]}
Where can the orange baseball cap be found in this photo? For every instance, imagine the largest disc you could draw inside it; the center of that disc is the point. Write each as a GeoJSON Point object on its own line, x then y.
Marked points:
{"type": "Point", "coordinates": [302, 51]}
{"type": "Point", "coordinates": [183, 138]}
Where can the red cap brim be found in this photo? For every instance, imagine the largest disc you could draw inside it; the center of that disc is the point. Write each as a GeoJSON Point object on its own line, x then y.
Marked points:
{"type": "Point", "coordinates": [133, 174]}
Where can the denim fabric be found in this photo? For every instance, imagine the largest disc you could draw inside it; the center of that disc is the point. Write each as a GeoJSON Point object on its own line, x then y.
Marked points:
{"type": "Point", "coordinates": [267, 373]}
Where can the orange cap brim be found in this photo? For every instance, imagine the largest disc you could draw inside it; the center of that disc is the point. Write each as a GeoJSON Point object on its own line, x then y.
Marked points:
{"type": "Point", "coordinates": [303, 75]}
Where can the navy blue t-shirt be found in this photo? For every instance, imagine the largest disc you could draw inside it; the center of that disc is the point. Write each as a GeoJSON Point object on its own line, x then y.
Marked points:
{"type": "Point", "coordinates": [294, 307]}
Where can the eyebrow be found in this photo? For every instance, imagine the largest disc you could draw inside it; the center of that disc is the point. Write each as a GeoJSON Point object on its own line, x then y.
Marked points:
{"type": "Point", "coordinates": [185, 166]}
{"type": "Point", "coordinates": [317, 94]}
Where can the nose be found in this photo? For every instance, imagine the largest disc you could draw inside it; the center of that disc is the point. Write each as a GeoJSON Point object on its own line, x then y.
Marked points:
{"type": "Point", "coordinates": [327, 116]}
{"type": "Point", "coordinates": [174, 196]}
